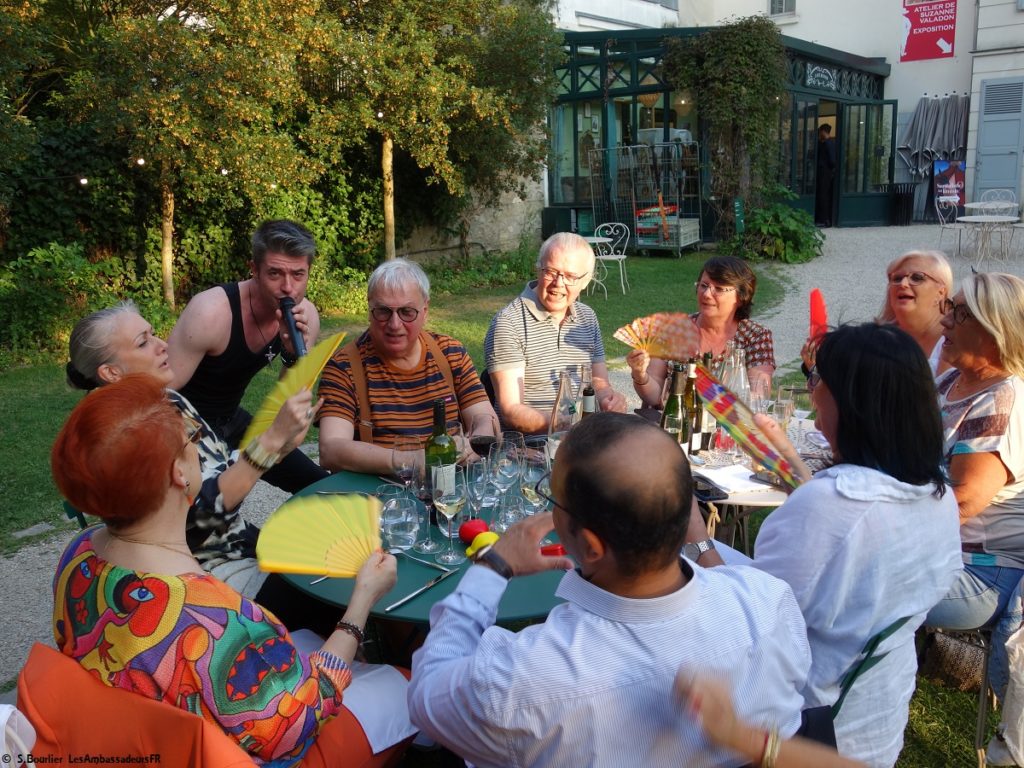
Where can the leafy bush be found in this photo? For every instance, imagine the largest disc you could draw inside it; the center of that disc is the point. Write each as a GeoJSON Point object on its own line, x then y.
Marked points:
{"type": "Point", "coordinates": [334, 290]}
{"type": "Point", "coordinates": [779, 232]}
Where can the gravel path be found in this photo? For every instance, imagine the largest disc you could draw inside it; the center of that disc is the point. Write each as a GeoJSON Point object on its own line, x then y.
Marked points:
{"type": "Point", "coordinates": [850, 275]}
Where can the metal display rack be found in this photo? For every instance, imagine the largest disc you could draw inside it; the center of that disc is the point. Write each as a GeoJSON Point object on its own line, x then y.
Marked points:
{"type": "Point", "coordinates": [625, 185]}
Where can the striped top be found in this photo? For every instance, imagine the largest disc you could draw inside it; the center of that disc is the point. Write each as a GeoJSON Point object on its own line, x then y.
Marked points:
{"type": "Point", "coordinates": [992, 421]}
{"type": "Point", "coordinates": [525, 337]}
{"type": "Point", "coordinates": [401, 402]}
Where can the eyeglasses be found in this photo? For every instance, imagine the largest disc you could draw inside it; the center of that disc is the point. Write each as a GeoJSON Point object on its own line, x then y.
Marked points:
{"type": "Point", "coordinates": [552, 275]}
{"type": "Point", "coordinates": [813, 378]}
{"type": "Point", "coordinates": [718, 290]}
{"type": "Point", "coordinates": [960, 311]}
{"type": "Point", "coordinates": [915, 278]}
{"type": "Point", "coordinates": [193, 430]}
{"type": "Point", "coordinates": [545, 481]}
{"type": "Point", "coordinates": [383, 314]}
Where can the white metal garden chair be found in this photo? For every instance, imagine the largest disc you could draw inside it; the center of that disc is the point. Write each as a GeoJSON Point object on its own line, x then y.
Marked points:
{"type": "Point", "coordinates": [613, 252]}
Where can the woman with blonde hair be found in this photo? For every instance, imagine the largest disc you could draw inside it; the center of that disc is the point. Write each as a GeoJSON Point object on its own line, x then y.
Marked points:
{"type": "Point", "coordinates": [981, 399]}
{"type": "Point", "coordinates": [918, 284]}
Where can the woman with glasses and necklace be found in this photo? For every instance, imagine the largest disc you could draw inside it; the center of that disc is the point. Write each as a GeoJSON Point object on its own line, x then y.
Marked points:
{"type": "Point", "coordinates": [135, 608]}
{"type": "Point", "coordinates": [725, 296]}
{"type": "Point", "coordinates": [982, 403]}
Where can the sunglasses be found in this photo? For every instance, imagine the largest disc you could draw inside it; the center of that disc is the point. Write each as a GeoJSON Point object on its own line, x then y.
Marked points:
{"type": "Point", "coordinates": [960, 311]}
{"type": "Point", "coordinates": [383, 314]}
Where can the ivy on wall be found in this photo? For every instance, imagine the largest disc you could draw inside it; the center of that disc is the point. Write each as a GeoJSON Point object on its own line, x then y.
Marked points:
{"type": "Point", "coordinates": [737, 73]}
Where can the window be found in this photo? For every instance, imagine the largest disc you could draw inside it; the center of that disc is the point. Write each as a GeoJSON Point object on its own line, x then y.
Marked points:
{"type": "Point", "coordinates": [786, 7]}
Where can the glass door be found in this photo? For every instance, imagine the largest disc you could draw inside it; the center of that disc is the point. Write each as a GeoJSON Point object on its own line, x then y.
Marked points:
{"type": "Point", "coordinates": [866, 149]}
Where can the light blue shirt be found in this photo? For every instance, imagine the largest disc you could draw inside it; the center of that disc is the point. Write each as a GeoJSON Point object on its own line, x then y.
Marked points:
{"type": "Point", "coordinates": [592, 685]}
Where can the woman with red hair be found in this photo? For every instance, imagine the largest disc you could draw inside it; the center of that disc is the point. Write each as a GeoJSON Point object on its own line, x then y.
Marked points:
{"type": "Point", "coordinates": [135, 608]}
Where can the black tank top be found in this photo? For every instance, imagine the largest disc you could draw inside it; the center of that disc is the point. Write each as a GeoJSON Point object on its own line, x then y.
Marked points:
{"type": "Point", "coordinates": [217, 386]}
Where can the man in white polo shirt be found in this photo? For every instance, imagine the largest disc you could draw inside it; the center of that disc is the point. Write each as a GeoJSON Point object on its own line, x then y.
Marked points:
{"type": "Point", "coordinates": [543, 332]}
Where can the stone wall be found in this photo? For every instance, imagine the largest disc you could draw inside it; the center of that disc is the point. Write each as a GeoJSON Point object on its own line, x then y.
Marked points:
{"type": "Point", "coordinates": [500, 227]}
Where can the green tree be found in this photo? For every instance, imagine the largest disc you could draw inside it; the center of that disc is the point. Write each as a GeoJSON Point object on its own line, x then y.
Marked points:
{"type": "Point", "coordinates": [205, 94]}
{"type": "Point", "coordinates": [459, 86]}
{"type": "Point", "coordinates": [738, 74]}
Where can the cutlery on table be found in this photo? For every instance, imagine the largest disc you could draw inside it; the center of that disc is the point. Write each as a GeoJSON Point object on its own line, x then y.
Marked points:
{"type": "Point", "coordinates": [415, 593]}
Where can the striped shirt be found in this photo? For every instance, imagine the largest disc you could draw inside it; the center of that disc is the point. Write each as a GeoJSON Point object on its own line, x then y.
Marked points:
{"type": "Point", "coordinates": [992, 421]}
{"type": "Point", "coordinates": [526, 337]}
{"type": "Point", "coordinates": [401, 402]}
{"type": "Point", "coordinates": [592, 685]}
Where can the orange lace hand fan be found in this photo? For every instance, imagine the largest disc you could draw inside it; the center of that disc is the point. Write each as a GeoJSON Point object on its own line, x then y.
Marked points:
{"type": "Point", "coordinates": [668, 335]}
{"type": "Point", "coordinates": [323, 535]}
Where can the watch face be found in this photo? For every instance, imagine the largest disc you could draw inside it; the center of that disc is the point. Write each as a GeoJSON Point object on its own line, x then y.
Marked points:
{"type": "Point", "coordinates": [691, 551]}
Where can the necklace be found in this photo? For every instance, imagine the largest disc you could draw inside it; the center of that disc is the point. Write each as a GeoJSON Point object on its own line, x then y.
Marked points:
{"type": "Point", "coordinates": [269, 354]}
{"type": "Point", "coordinates": [169, 546]}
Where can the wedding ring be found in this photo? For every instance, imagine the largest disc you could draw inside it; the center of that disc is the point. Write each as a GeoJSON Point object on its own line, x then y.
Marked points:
{"type": "Point", "coordinates": [309, 413]}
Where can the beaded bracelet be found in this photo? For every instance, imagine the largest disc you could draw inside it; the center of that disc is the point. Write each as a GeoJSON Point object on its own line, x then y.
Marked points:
{"type": "Point", "coordinates": [352, 629]}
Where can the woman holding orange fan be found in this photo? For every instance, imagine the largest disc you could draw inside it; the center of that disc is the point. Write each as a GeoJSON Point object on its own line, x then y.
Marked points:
{"type": "Point", "coordinates": [725, 295]}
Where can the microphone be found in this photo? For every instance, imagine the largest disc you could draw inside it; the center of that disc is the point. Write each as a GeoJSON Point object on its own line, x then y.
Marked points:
{"type": "Point", "coordinates": [286, 304]}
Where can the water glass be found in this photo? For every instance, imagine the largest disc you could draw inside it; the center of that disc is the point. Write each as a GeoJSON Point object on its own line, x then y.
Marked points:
{"type": "Point", "coordinates": [510, 511]}
{"type": "Point", "coordinates": [533, 467]}
{"type": "Point", "coordinates": [400, 525]}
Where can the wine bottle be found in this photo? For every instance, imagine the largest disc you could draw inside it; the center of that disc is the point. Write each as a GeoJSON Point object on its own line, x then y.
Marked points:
{"type": "Point", "coordinates": [673, 418]}
{"type": "Point", "coordinates": [707, 421]}
{"type": "Point", "coordinates": [589, 397]}
{"type": "Point", "coordinates": [564, 413]}
{"type": "Point", "coordinates": [691, 402]}
{"type": "Point", "coordinates": [440, 452]}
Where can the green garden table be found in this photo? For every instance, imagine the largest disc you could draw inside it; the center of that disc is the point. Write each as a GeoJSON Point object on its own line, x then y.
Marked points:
{"type": "Point", "coordinates": [527, 597]}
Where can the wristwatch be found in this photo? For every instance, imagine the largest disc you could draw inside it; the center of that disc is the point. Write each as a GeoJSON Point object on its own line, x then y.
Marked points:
{"type": "Point", "coordinates": [487, 556]}
{"type": "Point", "coordinates": [694, 550]}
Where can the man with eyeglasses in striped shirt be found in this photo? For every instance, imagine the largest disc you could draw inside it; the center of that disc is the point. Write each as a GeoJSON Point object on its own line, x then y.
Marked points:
{"type": "Point", "coordinates": [543, 332]}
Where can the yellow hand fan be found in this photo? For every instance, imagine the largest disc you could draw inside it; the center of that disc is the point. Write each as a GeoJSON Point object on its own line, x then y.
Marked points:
{"type": "Point", "coordinates": [329, 535]}
{"type": "Point", "coordinates": [668, 335]}
{"type": "Point", "coordinates": [301, 375]}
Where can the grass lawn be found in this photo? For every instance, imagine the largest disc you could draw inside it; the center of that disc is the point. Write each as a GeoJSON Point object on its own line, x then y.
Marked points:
{"type": "Point", "coordinates": [34, 402]}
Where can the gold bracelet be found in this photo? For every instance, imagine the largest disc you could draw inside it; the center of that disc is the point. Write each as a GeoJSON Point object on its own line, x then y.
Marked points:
{"type": "Point", "coordinates": [641, 383]}
{"type": "Point", "coordinates": [771, 750]}
{"type": "Point", "coordinates": [258, 456]}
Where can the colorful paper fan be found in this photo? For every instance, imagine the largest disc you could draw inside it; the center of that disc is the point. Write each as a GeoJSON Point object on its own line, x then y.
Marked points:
{"type": "Point", "coordinates": [668, 335]}
{"type": "Point", "coordinates": [819, 315]}
{"type": "Point", "coordinates": [300, 376]}
{"type": "Point", "coordinates": [738, 420]}
{"type": "Point", "coordinates": [323, 535]}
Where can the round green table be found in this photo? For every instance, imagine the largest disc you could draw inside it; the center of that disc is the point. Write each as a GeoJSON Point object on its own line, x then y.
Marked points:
{"type": "Point", "coordinates": [526, 598]}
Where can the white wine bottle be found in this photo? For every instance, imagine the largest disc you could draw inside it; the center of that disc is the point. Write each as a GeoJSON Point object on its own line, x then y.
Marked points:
{"type": "Point", "coordinates": [440, 452]}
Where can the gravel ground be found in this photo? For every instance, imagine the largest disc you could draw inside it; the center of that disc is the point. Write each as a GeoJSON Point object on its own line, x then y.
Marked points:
{"type": "Point", "coordinates": [850, 275]}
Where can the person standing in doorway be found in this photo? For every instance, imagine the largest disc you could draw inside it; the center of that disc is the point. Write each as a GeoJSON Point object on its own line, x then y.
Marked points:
{"type": "Point", "coordinates": [826, 176]}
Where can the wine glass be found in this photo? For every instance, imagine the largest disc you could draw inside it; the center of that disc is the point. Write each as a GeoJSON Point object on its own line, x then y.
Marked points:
{"type": "Point", "coordinates": [477, 480]}
{"type": "Point", "coordinates": [449, 499]}
{"type": "Point", "coordinates": [455, 432]}
{"type": "Point", "coordinates": [503, 462]}
{"type": "Point", "coordinates": [784, 407]}
{"type": "Point", "coordinates": [407, 459]}
{"type": "Point", "coordinates": [484, 431]}
{"type": "Point", "coordinates": [515, 441]}
{"type": "Point", "coordinates": [532, 468]}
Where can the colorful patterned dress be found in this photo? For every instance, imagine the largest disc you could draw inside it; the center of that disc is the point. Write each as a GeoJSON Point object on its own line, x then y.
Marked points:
{"type": "Point", "coordinates": [192, 641]}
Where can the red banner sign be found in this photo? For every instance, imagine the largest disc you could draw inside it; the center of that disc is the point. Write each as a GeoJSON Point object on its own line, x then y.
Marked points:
{"type": "Point", "coordinates": [929, 29]}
